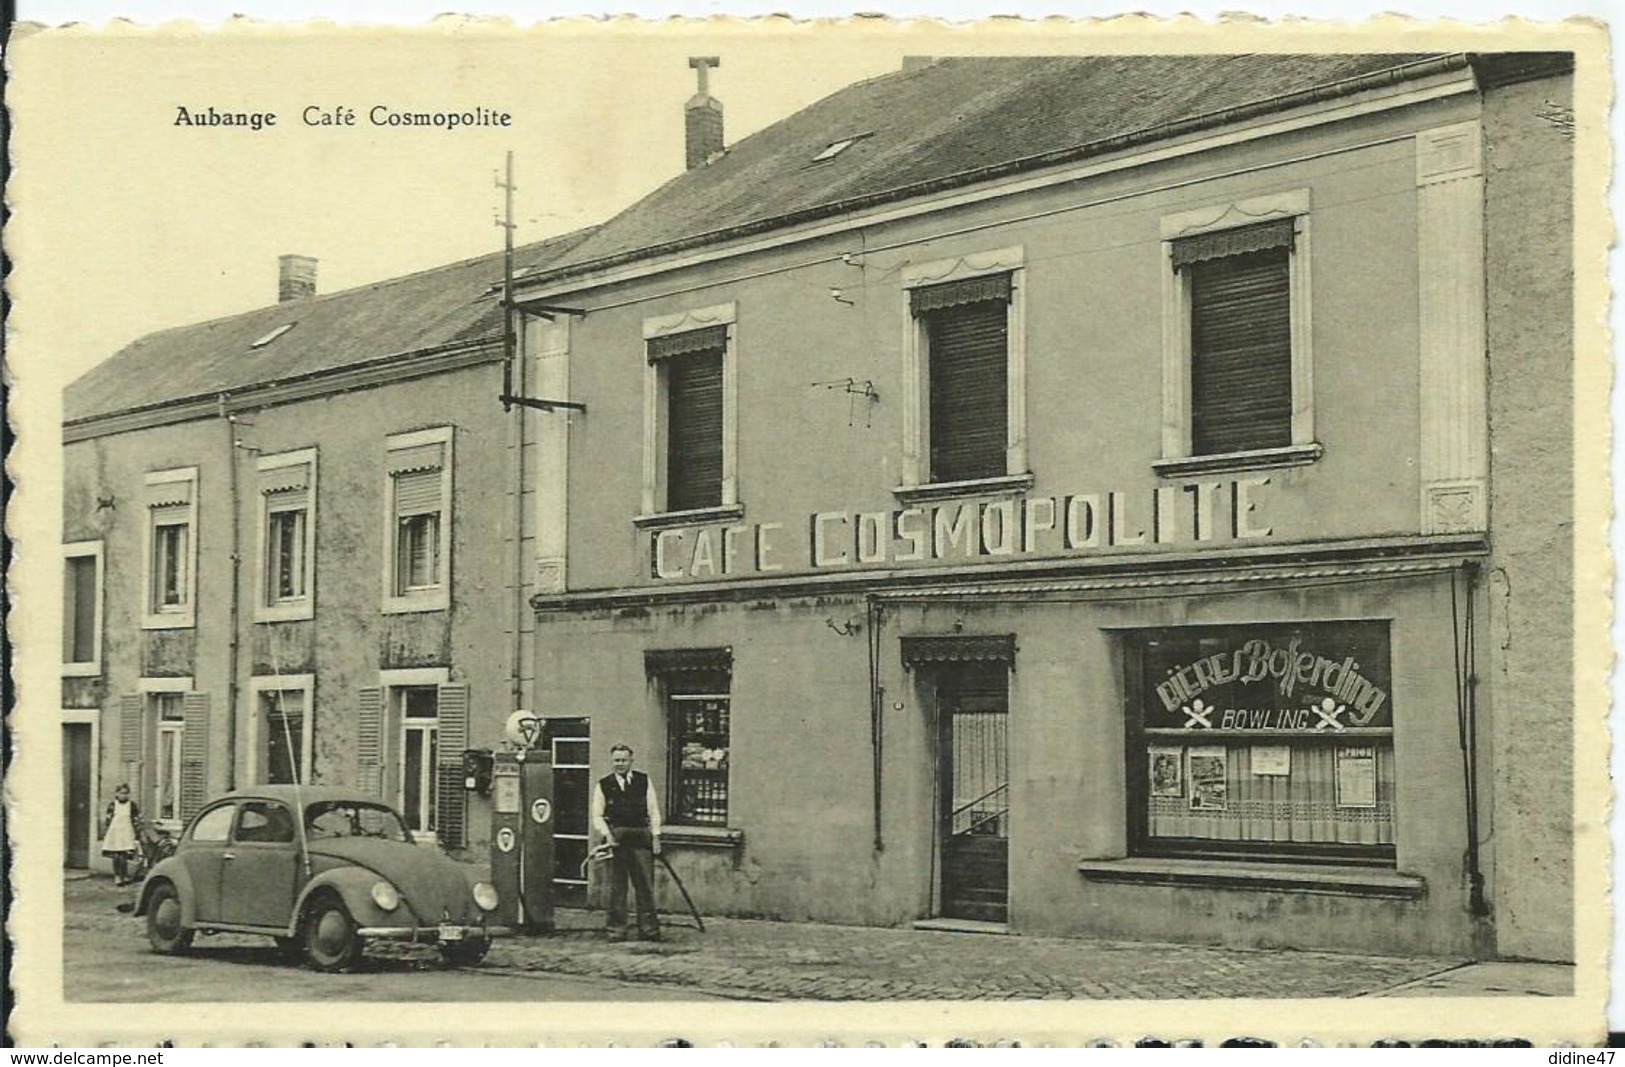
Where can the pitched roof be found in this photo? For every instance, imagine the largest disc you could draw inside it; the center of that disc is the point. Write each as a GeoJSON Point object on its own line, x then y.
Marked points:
{"type": "Point", "coordinates": [957, 121]}
{"type": "Point", "coordinates": [431, 309]}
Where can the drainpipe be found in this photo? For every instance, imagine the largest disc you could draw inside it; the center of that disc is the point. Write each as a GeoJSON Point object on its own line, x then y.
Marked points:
{"type": "Point", "coordinates": [234, 642]}
{"type": "Point", "coordinates": [1462, 630]}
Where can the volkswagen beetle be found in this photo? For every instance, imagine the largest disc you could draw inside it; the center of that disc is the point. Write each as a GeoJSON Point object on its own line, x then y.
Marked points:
{"type": "Point", "coordinates": [323, 871]}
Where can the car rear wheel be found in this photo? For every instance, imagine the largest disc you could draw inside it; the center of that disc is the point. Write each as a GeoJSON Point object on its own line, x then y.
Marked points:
{"type": "Point", "coordinates": [331, 943]}
{"type": "Point", "coordinates": [165, 931]}
{"type": "Point", "coordinates": [465, 953]}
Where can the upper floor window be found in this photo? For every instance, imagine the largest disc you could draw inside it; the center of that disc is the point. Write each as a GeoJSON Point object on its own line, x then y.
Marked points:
{"type": "Point", "coordinates": [690, 412]}
{"type": "Point", "coordinates": [964, 405]}
{"type": "Point", "coordinates": [82, 608]}
{"type": "Point", "coordinates": [1236, 373]}
{"type": "Point", "coordinates": [287, 491]}
{"type": "Point", "coordinates": [418, 561]}
{"type": "Point", "coordinates": [171, 558]}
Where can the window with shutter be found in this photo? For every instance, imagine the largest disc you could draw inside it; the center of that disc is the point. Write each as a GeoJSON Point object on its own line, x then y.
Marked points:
{"type": "Point", "coordinates": [417, 563]}
{"type": "Point", "coordinates": [171, 559]}
{"type": "Point", "coordinates": [370, 740]}
{"type": "Point", "coordinates": [968, 356]}
{"type": "Point", "coordinates": [694, 430]}
{"type": "Point", "coordinates": [690, 416]}
{"type": "Point", "coordinates": [194, 754]}
{"type": "Point", "coordinates": [1237, 374]}
{"type": "Point", "coordinates": [286, 485]}
{"type": "Point", "coordinates": [452, 802]}
{"type": "Point", "coordinates": [82, 609]}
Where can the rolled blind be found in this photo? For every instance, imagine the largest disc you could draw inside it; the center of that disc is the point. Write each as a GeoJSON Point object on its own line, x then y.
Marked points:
{"type": "Point", "coordinates": [987, 287]}
{"type": "Point", "coordinates": [287, 486]}
{"type": "Point", "coordinates": [1241, 352]}
{"type": "Point", "coordinates": [969, 356]}
{"type": "Point", "coordinates": [169, 494]}
{"type": "Point", "coordinates": [689, 341]}
{"type": "Point", "coordinates": [417, 493]}
{"type": "Point", "coordinates": [416, 458]}
{"type": "Point", "coordinates": [1277, 233]}
{"type": "Point", "coordinates": [694, 440]}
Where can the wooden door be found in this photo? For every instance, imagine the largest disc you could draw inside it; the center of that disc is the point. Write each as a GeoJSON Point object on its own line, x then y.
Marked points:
{"type": "Point", "coordinates": [974, 772]}
{"type": "Point", "coordinates": [77, 818]}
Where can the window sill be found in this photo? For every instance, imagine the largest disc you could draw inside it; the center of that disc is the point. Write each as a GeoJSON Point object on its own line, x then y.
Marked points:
{"type": "Point", "coordinates": [702, 836]}
{"type": "Point", "coordinates": [169, 621]}
{"type": "Point", "coordinates": [285, 612]}
{"type": "Point", "coordinates": [1254, 459]}
{"type": "Point", "coordinates": [694, 517]}
{"type": "Point", "coordinates": [81, 670]}
{"type": "Point", "coordinates": [1005, 485]}
{"type": "Point", "coordinates": [1325, 880]}
{"type": "Point", "coordinates": [405, 605]}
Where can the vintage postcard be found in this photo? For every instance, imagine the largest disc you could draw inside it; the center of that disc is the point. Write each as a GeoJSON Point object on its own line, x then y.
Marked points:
{"type": "Point", "coordinates": [861, 531]}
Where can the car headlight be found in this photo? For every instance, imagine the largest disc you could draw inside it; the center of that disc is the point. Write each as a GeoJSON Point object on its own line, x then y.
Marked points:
{"type": "Point", "coordinates": [485, 895]}
{"type": "Point", "coordinates": [385, 896]}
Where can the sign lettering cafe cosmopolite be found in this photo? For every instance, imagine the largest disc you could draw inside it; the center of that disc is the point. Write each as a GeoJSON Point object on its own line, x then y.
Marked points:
{"type": "Point", "coordinates": [965, 530]}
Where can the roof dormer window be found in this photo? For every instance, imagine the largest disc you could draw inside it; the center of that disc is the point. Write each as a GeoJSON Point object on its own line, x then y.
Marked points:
{"type": "Point", "coordinates": [835, 148]}
{"type": "Point", "coordinates": [273, 335]}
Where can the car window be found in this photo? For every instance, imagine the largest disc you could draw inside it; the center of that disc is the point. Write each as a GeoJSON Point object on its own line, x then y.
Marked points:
{"type": "Point", "coordinates": [264, 822]}
{"type": "Point", "coordinates": [349, 818]}
{"type": "Point", "coordinates": [214, 825]}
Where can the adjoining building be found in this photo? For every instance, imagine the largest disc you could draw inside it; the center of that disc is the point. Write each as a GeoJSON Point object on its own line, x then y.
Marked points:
{"type": "Point", "coordinates": [298, 544]}
{"type": "Point", "coordinates": [1122, 496]}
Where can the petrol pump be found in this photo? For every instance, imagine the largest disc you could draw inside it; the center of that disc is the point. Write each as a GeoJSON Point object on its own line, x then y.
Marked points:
{"type": "Point", "coordinates": [522, 827]}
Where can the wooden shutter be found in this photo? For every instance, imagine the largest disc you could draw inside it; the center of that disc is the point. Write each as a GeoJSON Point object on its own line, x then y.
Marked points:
{"type": "Point", "coordinates": [194, 753]}
{"type": "Point", "coordinates": [451, 801]}
{"type": "Point", "coordinates": [129, 730]}
{"type": "Point", "coordinates": [1241, 352]}
{"type": "Point", "coordinates": [969, 363]}
{"type": "Point", "coordinates": [369, 746]}
{"type": "Point", "coordinates": [694, 438]}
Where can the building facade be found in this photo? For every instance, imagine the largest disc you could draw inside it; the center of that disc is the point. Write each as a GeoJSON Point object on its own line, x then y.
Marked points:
{"type": "Point", "coordinates": [1114, 511]}
{"type": "Point", "coordinates": [291, 552]}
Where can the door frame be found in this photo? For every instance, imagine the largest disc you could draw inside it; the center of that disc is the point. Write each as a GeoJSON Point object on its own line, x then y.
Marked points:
{"type": "Point", "coordinates": [943, 692]}
{"type": "Point", "coordinates": [93, 717]}
{"type": "Point", "coordinates": [584, 884]}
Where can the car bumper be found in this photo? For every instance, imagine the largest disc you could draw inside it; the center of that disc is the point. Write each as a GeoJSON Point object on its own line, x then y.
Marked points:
{"type": "Point", "coordinates": [434, 934]}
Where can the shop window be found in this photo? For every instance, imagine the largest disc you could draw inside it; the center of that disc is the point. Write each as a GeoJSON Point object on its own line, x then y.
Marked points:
{"type": "Point", "coordinates": [171, 558]}
{"type": "Point", "coordinates": [418, 560]}
{"type": "Point", "coordinates": [82, 609]}
{"type": "Point", "coordinates": [287, 528]}
{"type": "Point", "coordinates": [695, 686]}
{"type": "Point", "coordinates": [1236, 375]}
{"type": "Point", "coordinates": [1265, 742]}
{"type": "Point", "coordinates": [964, 410]}
{"type": "Point", "coordinates": [689, 431]}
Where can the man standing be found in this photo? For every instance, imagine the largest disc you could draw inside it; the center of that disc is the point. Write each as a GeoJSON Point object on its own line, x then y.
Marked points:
{"type": "Point", "coordinates": [627, 815]}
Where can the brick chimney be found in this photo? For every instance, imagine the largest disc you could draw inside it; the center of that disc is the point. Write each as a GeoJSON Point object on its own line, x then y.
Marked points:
{"type": "Point", "coordinates": [702, 116]}
{"type": "Point", "coordinates": [296, 278]}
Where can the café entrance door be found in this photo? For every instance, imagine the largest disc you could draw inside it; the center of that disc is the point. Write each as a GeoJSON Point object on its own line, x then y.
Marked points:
{"type": "Point", "coordinates": [973, 757]}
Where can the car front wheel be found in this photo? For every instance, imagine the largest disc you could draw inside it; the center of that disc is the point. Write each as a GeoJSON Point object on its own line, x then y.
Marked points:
{"type": "Point", "coordinates": [165, 931]}
{"type": "Point", "coordinates": [465, 953]}
{"type": "Point", "coordinates": [331, 943]}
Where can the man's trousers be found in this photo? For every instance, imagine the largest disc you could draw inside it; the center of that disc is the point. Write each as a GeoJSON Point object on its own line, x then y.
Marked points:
{"type": "Point", "coordinates": [635, 862]}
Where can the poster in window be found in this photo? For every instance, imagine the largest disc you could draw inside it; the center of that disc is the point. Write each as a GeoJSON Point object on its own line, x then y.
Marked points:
{"type": "Point", "coordinates": [1357, 777]}
{"type": "Point", "coordinates": [1167, 771]}
{"type": "Point", "coordinates": [1275, 760]}
{"type": "Point", "coordinates": [1208, 769]}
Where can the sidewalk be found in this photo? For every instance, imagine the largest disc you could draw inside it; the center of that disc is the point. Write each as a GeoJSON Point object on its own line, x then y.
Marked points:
{"type": "Point", "coordinates": [807, 961]}
{"type": "Point", "coordinates": [758, 960]}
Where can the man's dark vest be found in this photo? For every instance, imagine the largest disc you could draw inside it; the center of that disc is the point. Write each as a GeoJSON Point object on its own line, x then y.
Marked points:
{"type": "Point", "coordinates": [629, 808]}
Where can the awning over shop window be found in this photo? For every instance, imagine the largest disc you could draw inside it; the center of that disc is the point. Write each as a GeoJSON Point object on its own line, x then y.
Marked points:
{"type": "Point", "coordinates": [668, 660]}
{"type": "Point", "coordinates": [967, 291]}
{"type": "Point", "coordinates": [959, 648]}
{"type": "Point", "coordinates": [1277, 233]}
{"type": "Point", "coordinates": [681, 344]}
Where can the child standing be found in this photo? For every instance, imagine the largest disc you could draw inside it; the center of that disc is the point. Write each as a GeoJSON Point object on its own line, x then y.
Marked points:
{"type": "Point", "coordinates": [119, 840]}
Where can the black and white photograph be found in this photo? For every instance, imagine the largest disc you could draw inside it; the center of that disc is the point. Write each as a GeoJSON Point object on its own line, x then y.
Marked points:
{"type": "Point", "coordinates": [763, 531]}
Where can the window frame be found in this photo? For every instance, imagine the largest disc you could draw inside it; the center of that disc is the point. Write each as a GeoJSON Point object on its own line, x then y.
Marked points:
{"type": "Point", "coordinates": [262, 685]}
{"type": "Point", "coordinates": [653, 510]}
{"type": "Point", "coordinates": [916, 468]}
{"type": "Point", "coordinates": [1178, 459]}
{"type": "Point", "coordinates": [182, 616]}
{"type": "Point", "coordinates": [393, 740]}
{"type": "Point", "coordinates": [398, 599]}
{"type": "Point", "coordinates": [92, 667]}
{"type": "Point", "coordinates": [152, 729]}
{"type": "Point", "coordinates": [664, 669]}
{"type": "Point", "coordinates": [268, 607]}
